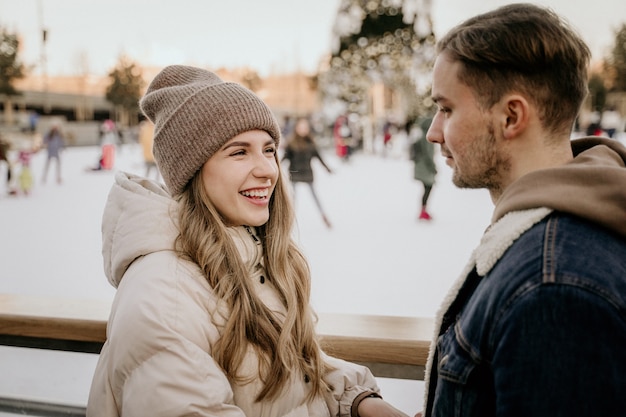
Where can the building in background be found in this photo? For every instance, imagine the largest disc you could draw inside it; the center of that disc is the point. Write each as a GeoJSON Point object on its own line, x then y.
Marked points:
{"type": "Point", "coordinates": [79, 103]}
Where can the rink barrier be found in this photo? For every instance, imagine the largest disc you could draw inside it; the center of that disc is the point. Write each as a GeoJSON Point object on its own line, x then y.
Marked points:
{"type": "Point", "coordinates": [391, 346]}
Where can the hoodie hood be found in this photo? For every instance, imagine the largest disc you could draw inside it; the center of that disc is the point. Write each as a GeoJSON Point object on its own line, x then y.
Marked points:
{"type": "Point", "coordinates": [592, 186]}
{"type": "Point", "coordinates": [139, 218]}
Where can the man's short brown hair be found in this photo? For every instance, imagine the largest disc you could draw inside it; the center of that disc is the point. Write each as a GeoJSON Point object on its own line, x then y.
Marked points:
{"type": "Point", "coordinates": [526, 49]}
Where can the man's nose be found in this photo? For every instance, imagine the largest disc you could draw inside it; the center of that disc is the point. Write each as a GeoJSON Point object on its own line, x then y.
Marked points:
{"type": "Point", "coordinates": [434, 133]}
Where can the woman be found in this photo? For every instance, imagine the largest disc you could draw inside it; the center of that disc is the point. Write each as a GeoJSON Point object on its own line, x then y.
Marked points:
{"type": "Point", "coordinates": [212, 315]}
{"type": "Point", "coordinates": [300, 151]}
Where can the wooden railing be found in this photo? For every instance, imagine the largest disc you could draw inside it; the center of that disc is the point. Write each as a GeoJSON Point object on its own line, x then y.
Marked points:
{"type": "Point", "coordinates": [391, 346]}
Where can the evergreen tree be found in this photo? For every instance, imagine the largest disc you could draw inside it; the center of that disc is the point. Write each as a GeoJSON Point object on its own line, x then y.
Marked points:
{"type": "Point", "coordinates": [388, 41]}
{"type": "Point", "coordinates": [126, 87]}
{"type": "Point", "coordinates": [10, 68]}
{"type": "Point", "coordinates": [616, 62]}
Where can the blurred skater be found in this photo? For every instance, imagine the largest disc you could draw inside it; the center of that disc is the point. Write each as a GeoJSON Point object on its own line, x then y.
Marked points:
{"type": "Point", "coordinates": [108, 140]}
{"type": "Point", "coordinates": [5, 146]}
{"type": "Point", "coordinates": [54, 143]}
{"type": "Point", "coordinates": [611, 121]}
{"type": "Point", "coordinates": [387, 131]}
{"type": "Point", "coordinates": [146, 140]}
{"type": "Point", "coordinates": [109, 137]}
{"type": "Point", "coordinates": [25, 177]}
{"type": "Point", "coordinates": [300, 151]}
{"type": "Point", "coordinates": [342, 134]}
{"type": "Point", "coordinates": [422, 154]}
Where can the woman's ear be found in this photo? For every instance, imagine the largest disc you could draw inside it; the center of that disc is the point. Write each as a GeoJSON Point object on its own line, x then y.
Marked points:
{"type": "Point", "coordinates": [515, 115]}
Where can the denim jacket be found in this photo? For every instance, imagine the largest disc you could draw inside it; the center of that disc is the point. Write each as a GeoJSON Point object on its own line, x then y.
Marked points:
{"type": "Point", "coordinates": [543, 333]}
{"type": "Point", "coordinates": [536, 324]}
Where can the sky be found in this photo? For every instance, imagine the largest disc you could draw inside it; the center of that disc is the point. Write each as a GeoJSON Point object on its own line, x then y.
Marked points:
{"type": "Point", "coordinates": [268, 35]}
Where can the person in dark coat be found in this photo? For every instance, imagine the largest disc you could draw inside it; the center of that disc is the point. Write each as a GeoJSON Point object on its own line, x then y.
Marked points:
{"type": "Point", "coordinates": [300, 151]}
{"type": "Point", "coordinates": [422, 154]}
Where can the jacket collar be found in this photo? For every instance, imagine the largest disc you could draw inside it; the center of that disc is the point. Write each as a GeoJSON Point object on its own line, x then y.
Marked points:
{"type": "Point", "coordinates": [496, 240]}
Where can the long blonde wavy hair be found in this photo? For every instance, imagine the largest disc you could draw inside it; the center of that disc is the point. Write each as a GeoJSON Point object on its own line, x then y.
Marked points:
{"type": "Point", "coordinates": [282, 346]}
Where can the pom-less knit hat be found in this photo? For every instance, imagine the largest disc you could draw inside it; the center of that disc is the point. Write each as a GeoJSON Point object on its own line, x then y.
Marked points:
{"type": "Point", "coordinates": [194, 114]}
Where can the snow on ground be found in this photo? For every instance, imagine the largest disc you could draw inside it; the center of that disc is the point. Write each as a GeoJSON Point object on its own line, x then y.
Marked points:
{"type": "Point", "coordinates": [376, 259]}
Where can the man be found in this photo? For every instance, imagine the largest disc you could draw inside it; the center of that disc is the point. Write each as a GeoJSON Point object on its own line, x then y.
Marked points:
{"type": "Point", "coordinates": [536, 324]}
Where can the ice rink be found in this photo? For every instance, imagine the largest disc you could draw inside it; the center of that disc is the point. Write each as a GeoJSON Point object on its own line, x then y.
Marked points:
{"type": "Point", "coordinates": [377, 258]}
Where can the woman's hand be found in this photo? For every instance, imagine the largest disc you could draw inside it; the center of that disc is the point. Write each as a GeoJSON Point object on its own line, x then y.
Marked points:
{"type": "Point", "coordinates": [377, 407]}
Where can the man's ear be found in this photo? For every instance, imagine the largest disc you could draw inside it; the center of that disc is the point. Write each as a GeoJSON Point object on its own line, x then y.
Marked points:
{"type": "Point", "coordinates": [515, 115]}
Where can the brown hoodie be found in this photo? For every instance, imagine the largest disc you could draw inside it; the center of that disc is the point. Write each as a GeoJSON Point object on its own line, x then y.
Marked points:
{"type": "Point", "coordinates": [591, 186]}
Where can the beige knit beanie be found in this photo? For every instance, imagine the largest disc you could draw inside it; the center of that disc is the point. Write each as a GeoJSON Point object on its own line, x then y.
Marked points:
{"type": "Point", "coordinates": [194, 114]}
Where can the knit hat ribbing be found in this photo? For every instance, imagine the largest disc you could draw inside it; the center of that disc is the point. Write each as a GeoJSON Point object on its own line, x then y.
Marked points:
{"type": "Point", "coordinates": [194, 114]}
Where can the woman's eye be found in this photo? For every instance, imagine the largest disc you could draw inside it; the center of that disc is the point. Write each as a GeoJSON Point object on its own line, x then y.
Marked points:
{"type": "Point", "coordinates": [271, 150]}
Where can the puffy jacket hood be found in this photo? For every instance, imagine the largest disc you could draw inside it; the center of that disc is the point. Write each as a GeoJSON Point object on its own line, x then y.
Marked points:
{"type": "Point", "coordinates": [126, 235]}
{"type": "Point", "coordinates": [166, 319]}
{"type": "Point", "coordinates": [591, 186]}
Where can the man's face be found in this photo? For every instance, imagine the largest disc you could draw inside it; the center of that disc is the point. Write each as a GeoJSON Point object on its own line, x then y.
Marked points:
{"type": "Point", "coordinates": [464, 130]}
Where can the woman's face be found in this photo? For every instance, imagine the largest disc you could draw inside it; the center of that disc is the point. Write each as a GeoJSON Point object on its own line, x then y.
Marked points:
{"type": "Point", "coordinates": [303, 128]}
{"type": "Point", "coordinates": [240, 178]}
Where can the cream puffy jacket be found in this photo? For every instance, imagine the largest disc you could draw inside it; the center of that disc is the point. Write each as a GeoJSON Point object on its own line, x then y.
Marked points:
{"type": "Point", "coordinates": [165, 319]}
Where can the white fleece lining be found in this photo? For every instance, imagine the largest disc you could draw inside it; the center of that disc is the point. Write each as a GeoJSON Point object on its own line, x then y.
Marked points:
{"type": "Point", "coordinates": [494, 242]}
